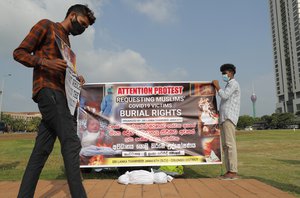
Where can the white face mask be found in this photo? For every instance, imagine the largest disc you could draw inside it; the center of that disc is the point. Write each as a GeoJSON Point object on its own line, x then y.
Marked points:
{"type": "Point", "coordinates": [225, 77]}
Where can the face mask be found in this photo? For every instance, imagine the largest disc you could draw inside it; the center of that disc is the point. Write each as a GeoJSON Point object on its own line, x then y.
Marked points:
{"type": "Point", "coordinates": [77, 28]}
{"type": "Point", "coordinates": [225, 77]}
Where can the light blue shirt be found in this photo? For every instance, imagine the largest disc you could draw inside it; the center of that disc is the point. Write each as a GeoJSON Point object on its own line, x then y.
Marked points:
{"type": "Point", "coordinates": [230, 102]}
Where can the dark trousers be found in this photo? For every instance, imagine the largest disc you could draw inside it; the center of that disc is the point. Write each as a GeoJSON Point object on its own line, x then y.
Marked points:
{"type": "Point", "coordinates": [57, 121]}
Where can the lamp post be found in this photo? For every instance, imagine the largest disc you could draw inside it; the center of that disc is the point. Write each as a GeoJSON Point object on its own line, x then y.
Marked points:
{"type": "Point", "coordinates": [2, 92]}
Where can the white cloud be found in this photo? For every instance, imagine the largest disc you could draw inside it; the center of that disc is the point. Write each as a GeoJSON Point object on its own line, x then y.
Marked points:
{"type": "Point", "coordinates": [111, 66]}
{"type": "Point", "coordinates": [116, 65]}
{"type": "Point", "coordinates": [20, 20]}
{"type": "Point", "coordinates": [96, 64]}
{"type": "Point", "coordinates": [161, 11]}
{"type": "Point", "coordinates": [24, 14]}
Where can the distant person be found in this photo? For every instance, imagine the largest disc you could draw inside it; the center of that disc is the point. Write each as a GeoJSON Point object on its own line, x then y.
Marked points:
{"type": "Point", "coordinates": [106, 104]}
{"type": "Point", "coordinates": [229, 114]}
{"type": "Point", "coordinates": [39, 51]}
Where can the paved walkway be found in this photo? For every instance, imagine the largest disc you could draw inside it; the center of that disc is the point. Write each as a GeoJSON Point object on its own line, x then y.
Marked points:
{"type": "Point", "coordinates": [189, 188]}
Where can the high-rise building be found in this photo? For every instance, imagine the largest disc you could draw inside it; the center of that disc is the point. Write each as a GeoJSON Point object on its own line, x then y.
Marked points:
{"type": "Point", "coordinates": [285, 16]}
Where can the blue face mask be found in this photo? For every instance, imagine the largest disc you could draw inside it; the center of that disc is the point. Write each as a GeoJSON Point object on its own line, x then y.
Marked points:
{"type": "Point", "coordinates": [225, 77]}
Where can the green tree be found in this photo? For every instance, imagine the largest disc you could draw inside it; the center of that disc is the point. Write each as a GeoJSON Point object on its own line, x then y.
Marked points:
{"type": "Point", "coordinates": [33, 124]}
{"type": "Point", "coordinates": [297, 113]}
{"type": "Point", "coordinates": [14, 124]}
{"type": "Point", "coordinates": [282, 120]}
{"type": "Point", "coordinates": [267, 119]}
{"type": "Point", "coordinates": [8, 120]}
{"type": "Point", "coordinates": [244, 121]}
{"type": "Point", "coordinates": [274, 121]}
{"type": "Point", "coordinates": [286, 119]}
{"type": "Point", "coordinates": [19, 125]}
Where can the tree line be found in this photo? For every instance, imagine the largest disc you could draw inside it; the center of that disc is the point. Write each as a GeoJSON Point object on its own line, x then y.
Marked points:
{"type": "Point", "coordinates": [22, 125]}
{"type": "Point", "coordinates": [274, 121]}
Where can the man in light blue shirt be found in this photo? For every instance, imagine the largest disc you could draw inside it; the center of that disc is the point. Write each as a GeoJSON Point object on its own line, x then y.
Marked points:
{"type": "Point", "coordinates": [229, 113]}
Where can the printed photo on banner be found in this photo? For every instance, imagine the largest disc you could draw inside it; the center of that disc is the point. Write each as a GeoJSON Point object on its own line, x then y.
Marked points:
{"type": "Point", "coordinates": [147, 124]}
{"type": "Point", "coordinates": [72, 84]}
{"type": "Point", "coordinates": [66, 52]}
{"type": "Point", "coordinates": [72, 89]}
{"type": "Point", "coordinates": [203, 89]}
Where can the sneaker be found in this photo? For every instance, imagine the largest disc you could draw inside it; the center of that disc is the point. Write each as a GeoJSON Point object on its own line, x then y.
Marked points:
{"type": "Point", "coordinates": [229, 176]}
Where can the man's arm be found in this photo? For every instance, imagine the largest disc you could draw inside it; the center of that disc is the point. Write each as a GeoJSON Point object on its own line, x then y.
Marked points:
{"type": "Point", "coordinates": [216, 84]}
{"type": "Point", "coordinates": [228, 91]}
{"type": "Point", "coordinates": [24, 53]}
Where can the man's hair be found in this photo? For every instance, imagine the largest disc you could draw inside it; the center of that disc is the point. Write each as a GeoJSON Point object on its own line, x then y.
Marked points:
{"type": "Point", "coordinates": [82, 10]}
{"type": "Point", "coordinates": [228, 67]}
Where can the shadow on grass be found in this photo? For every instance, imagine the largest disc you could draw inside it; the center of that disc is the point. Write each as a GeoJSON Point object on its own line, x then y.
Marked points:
{"type": "Point", "coordinates": [109, 173]}
{"type": "Point", "coordinates": [292, 162]}
{"type": "Point", "coordinates": [114, 173]}
{"type": "Point", "coordinates": [282, 186]}
{"type": "Point", "coordinates": [90, 173]}
{"type": "Point", "coordinates": [9, 166]}
{"type": "Point", "coordinates": [106, 173]}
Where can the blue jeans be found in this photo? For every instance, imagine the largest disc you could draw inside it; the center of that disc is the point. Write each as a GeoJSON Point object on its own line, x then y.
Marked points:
{"type": "Point", "coordinates": [57, 121]}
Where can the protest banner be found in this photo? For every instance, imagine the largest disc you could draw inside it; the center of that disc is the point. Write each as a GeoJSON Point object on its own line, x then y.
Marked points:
{"type": "Point", "coordinates": [148, 124]}
{"type": "Point", "coordinates": [72, 84]}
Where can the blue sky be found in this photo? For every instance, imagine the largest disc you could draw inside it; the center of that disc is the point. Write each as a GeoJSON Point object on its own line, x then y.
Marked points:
{"type": "Point", "coordinates": [151, 40]}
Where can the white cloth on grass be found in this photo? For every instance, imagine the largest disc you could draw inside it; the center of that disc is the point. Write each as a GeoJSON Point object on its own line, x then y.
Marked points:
{"type": "Point", "coordinates": [144, 177]}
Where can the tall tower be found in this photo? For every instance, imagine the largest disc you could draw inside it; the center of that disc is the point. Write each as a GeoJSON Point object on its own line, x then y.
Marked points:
{"type": "Point", "coordinates": [253, 99]}
{"type": "Point", "coordinates": [284, 15]}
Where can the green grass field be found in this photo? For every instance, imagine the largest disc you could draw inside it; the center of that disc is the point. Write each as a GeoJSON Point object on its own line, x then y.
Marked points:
{"type": "Point", "coordinates": [271, 156]}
